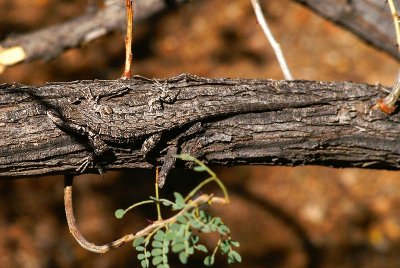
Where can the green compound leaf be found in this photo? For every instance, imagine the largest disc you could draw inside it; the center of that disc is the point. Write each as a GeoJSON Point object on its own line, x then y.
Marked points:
{"type": "Point", "coordinates": [157, 260]}
{"type": "Point", "coordinates": [224, 230]}
{"type": "Point", "coordinates": [201, 248]}
{"type": "Point", "coordinates": [209, 261]}
{"type": "Point", "coordinates": [202, 215]}
{"type": "Point", "coordinates": [182, 219]}
{"type": "Point", "coordinates": [234, 257]}
{"type": "Point", "coordinates": [166, 249]}
{"type": "Point", "coordinates": [179, 201]}
{"type": "Point", "coordinates": [160, 235]}
{"type": "Point", "coordinates": [185, 157]}
{"type": "Point", "coordinates": [213, 227]}
{"type": "Point", "coordinates": [195, 224]}
{"type": "Point", "coordinates": [188, 215]}
{"type": "Point", "coordinates": [166, 203]}
{"type": "Point", "coordinates": [195, 239]}
{"type": "Point", "coordinates": [119, 213]}
{"type": "Point", "coordinates": [190, 250]}
{"type": "Point", "coordinates": [157, 244]}
{"type": "Point", "coordinates": [235, 244]}
{"type": "Point", "coordinates": [138, 241]}
{"type": "Point", "coordinates": [178, 239]}
{"type": "Point", "coordinates": [139, 248]}
{"type": "Point", "coordinates": [165, 259]}
{"type": "Point", "coordinates": [183, 257]}
{"type": "Point", "coordinates": [145, 263]}
{"type": "Point", "coordinates": [178, 247]}
{"type": "Point", "coordinates": [217, 221]}
{"type": "Point", "coordinates": [225, 246]}
{"type": "Point", "coordinates": [170, 235]}
{"type": "Point", "coordinates": [199, 168]}
{"type": "Point", "coordinates": [156, 252]}
{"type": "Point", "coordinates": [206, 229]}
{"type": "Point", "coordinates": [175, 226]}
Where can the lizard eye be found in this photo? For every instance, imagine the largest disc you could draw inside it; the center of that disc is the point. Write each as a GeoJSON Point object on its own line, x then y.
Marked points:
{"type": "Point", "coordinates": [76, 101]}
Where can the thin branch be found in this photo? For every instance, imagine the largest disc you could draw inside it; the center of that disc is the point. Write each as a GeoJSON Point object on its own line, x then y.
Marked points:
{"type": "Point", "coordinates": [128, 40]}
{"type": "Point", "coordinates": [275, 45]}
{"type": "Point", "coordinates": [158, 205]}
{"type": "Point", "coordinates": [396, 21]}
{"type": "Point", "coordinates": [387, 105]}
{"type": "Point", "coordinates": [76, 233]}
{"type": "Point", "coordinates": [50, 42]}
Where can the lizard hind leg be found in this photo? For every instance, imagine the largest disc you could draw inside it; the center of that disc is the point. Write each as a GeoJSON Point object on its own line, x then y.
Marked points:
{"type": "Point", "coordinates": [172, 151]}
{"type": "Point", "coordinates": [150, 143]}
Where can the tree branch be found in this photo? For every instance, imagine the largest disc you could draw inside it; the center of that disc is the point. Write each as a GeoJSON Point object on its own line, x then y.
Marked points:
{"type": "Point", "coordinates": [50, 42]}
{"type": "Point", "coordinates": [244, 122]}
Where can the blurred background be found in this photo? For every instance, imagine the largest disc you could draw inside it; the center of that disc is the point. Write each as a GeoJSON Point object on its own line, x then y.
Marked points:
{"type": "Point", "coordinates": [282, 216]}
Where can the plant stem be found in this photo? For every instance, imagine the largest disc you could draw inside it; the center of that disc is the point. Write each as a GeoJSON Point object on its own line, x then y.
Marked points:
{"type": "Point", "coordinates": [213, 177]}
{"type": "Point", "coordinates": [139, 204]}
{"type": "Point", "coordinates": [203, 183]}
{"type": "Point", "coordinates": [387, 105]}
{"type": "Point", "coordinates": [159, 217]}
{"type": "Point", "coordinates": [128, 40]}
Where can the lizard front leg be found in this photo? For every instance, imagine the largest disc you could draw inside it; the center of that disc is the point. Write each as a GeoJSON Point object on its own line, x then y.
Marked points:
{"type": "Point", "coordinates": [100, 148]}
{"type": "Point", "coordinates": [98, 145]}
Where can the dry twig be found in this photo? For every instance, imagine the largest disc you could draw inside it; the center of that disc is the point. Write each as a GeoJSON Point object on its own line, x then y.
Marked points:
{"type": "Point", "coordinates": [275, 45]}
{"type": "Point", "coordinates": [74, 230]}
{"type": "Point", "coordinates": [387, 105]}
{"type": "Point", "coordinates": [128, 40]}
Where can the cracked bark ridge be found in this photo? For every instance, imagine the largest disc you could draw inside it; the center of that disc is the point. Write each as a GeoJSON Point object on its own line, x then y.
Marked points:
{"type": "Point", "coordinates": [369, 19]}
{"type": "Point", "coordinates": [50, 42]}
{"type": "Point", "coordinates": [243, 122]}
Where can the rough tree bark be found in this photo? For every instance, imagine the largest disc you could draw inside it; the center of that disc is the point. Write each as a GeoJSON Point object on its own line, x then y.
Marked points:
{"type": "Point", "coordinates": [244, 122]}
